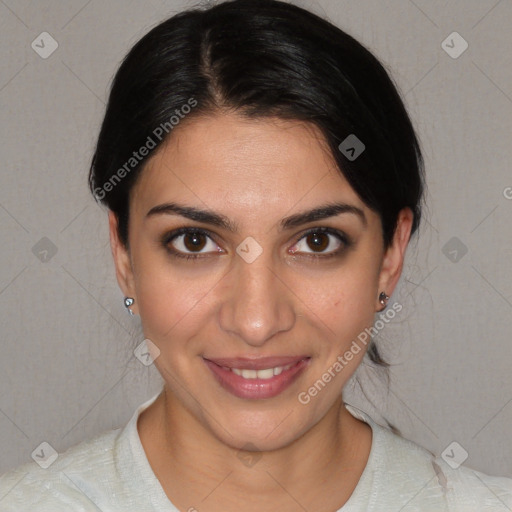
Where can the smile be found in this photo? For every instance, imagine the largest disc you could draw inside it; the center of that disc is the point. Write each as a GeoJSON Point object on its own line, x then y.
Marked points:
{"type": "Point", "coordinates": [267, 373]}
{"type": "Point", "coordinates": [257, 378]}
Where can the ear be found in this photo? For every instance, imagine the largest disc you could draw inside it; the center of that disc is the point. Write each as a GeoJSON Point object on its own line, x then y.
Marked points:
{"type": "Point", "coordinates": [393, 258]}
{"type": "Point", "coordinates": [122, 261]}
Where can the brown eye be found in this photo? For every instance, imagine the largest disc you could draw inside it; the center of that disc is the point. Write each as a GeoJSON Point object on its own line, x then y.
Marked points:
{"type": "Point", "coordinates": [321, 242]}
{"type": "Point", "coordinates": [318, 241]}
{"type": "Point", "coordinates": [190, 243]}
{"type": "Point", "coordinates": [194, 241]}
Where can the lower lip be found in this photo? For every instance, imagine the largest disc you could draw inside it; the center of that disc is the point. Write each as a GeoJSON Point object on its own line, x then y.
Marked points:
{"type": "Point", "coordinates": [256, 388]}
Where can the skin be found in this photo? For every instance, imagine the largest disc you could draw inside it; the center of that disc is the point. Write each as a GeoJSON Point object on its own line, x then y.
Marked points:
{"type": "Point", "coordinates": [255, 173]}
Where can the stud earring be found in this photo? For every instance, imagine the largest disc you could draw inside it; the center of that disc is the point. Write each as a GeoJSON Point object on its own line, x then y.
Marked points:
{"type": "Point", "coordinates": [383, 299]}
{"type": "Point", "coordinates": [128, 301]}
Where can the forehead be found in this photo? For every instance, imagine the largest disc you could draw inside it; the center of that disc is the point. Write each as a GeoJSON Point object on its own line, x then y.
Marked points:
{"type": "Point", "coordinates": [231, 163]}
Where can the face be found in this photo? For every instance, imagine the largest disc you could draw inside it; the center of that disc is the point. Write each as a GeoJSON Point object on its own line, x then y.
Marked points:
{"type": "Point", "coordinates": [244, 278]}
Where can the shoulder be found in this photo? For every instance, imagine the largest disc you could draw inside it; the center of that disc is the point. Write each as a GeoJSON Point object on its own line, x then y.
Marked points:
{"type": "Point", "coordinates": [472, 488]}
{"type": "Point", "coordinates": [401, 475]}
{"type": "Point", "coordinates": [71, 482]}
{"type": "Point", "coordinates": [433, 483]}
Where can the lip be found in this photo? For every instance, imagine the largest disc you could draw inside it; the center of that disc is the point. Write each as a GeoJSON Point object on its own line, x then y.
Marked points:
{"type": "Point", "coordinates": [256, 388]}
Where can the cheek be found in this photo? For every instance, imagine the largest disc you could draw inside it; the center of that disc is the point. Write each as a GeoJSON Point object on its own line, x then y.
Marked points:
{"type": "Point", "coordinates": [344, 299]}
{"type": "Point", "coordinates": [168, 300]}
{"type": "Point", "coordinates": [167, 309]}
{"type": "Point", "coordinates": [341, 308]}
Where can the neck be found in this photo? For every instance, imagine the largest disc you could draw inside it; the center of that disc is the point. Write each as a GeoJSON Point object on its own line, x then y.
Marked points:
{"type": "Point", "coordinates": [198, 470]}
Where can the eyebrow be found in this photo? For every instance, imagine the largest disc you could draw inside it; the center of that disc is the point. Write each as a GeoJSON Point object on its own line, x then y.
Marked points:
{"type": "Point", "coordinates": [297, 219]}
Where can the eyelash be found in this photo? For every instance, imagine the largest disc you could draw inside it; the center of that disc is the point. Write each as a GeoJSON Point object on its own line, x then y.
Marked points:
{"type": "Point", "coordinates": [169, 237]}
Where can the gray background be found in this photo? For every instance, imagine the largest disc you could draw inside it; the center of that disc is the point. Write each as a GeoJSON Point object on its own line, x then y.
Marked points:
{"type": "Point", "coordinates": [67, 369]}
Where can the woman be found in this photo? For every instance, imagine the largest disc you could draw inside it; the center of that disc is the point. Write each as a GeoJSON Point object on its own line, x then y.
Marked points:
{"type": "Point", "coordinates": [263, 180]}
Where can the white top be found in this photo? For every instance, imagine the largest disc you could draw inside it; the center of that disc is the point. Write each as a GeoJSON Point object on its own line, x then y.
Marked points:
{"type": "Point", "coordinates": [111, 473]}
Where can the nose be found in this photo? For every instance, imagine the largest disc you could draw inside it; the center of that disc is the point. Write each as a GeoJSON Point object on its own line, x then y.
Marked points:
{"type": "Point", "coordinates": [257, 303]}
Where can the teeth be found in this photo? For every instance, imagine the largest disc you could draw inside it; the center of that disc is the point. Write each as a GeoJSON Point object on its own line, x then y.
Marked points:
{"type": "Point", "coordinates": [267, 373]}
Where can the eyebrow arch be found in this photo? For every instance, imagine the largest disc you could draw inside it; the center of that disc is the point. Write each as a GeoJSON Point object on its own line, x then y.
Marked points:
{"type": "Point", "coordinates": [323, 212]}
{"type": "Point", "coordinates": [295, 220]}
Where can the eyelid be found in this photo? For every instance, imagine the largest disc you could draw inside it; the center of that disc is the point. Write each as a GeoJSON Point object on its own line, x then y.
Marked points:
{"type": "Point", "coordinates": [175, 233]}
{"type": "Point", "coordinates": [326, 229]}
{"type": "Point", "coordinates": [342, 237]}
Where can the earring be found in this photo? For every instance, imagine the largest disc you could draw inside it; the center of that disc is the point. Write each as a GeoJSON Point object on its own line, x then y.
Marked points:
{"type": "Point", "coordinates": [128, 301]}
{"type": "Point", "coordinates": [383, 299]}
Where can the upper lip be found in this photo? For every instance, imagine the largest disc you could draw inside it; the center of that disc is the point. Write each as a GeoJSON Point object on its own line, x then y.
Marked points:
{"type": "Point", "coordinates": [260, 363]}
